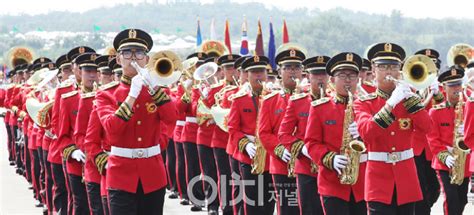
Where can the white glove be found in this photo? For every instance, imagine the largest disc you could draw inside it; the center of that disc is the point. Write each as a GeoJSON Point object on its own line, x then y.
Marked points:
{"type": "Point", "coordinates": [339, 163]}
{"type": "Point", "coordinates": [401, 92]}
{"type": "Point", "coordinates": [136, 87]}
{"type": "Point", "coordinates": [251, 149]}
{"type": "Point", "coordinates": [305, 152]}
{"type": "Point", "coordinates": [145, 74]}
{"type": "Point", "coordinates": [353, 130]}
{"type": "Point", "coordinates": [205, 92]}
{"type": "Point", "coordinates": [286, 156]}
{"type": "Point", "coordinates": [434, 87]}
{"type": "Point", "coordinates": [449, 161]}
{"type": "Point", "coordinates": [78, 155]}
{"type": "Point", "coordinates": [187, 84]}
{"type": "Point", "coordinates": [461, 129]}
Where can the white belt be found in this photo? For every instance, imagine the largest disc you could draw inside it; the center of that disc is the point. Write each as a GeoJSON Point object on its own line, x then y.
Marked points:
{"type": "Point", "coordinates": [250, 137]}
{"type": "Point", "coordinates": [180, 123]}
{"type": "Point", "coordinates": [136, 153]}
{"type": "Point", "coordinates": [392, 157]}
{"type": "Point", "coordinates": [191, 119]}
{"type": "Point", "coordinates": [363, 158]}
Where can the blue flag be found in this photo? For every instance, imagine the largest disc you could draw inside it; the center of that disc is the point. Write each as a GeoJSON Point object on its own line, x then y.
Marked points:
{"type": "Point", "coordinates": [198, 35]}
{"type": "Point", "coordinates": [271, 47]}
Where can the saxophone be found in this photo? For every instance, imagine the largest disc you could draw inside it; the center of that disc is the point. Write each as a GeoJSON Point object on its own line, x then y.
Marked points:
{"type": "Point", "coordinates": [351, 148]}
{"type": "Point", "coordinates": [258, 161]}
{"type": "Point", "coordinates": [460, 150]}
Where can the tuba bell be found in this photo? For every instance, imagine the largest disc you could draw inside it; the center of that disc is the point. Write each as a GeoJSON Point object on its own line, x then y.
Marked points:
{"type": "Point", "coordinates": [39, 111]}
{"type": "Point", "coordinates": [459, 54]}
{"type": "Point", "coordinates": [19, 55]}
{"type": "Point", "coordinates": [213, 48]}
{"type": "Point", "coordinates": [205, 71]}
{"type": "Point", "coordinates": [189, 66]}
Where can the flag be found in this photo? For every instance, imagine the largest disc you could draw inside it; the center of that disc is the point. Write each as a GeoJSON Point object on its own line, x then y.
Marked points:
{"type": "Point", "coordinates": [227, 36]}
{"type": "Point", "coordinates": [96, 28]}
{"type": "Point", "coordinates": [39, 29]}
{"type": "Point", "coordinates": [259, 43]}
{"type": "Point", "coordinates": [244, 44]}
{"type": "Point", "coordinates": [123, 27]}
{"type": "Point", "coordinates": [15, 29]}
{"type": "Point", "coordinates": [271, 47]}
{"type": "Point", "coordinates": [198, 34]}
{"type": "Point", "coordinates": [213, 35]}
{"type": "Point", "coordinates": [179, 30]}
{"type": "Point", "coordinates": [156, 30]}
{"type": "Point", "coordinates": [286, 38]}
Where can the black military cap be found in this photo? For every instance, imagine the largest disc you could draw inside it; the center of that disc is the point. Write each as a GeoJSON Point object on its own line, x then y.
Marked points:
{"type": "Point", "coordinates": [317, 64]}
{"type": "Point", "coordinates": [103, 61]}
{"type": "Point", "coordinates": [73, 53]}
{"type": "Point", "coordinates": [290, 56]}
{"type": "Point", "coordinates": [429, 52]}
{"type": "Point", "coordinates": [453, 74]}
{"type": "Point", "coordinates": [87, 60]}
{"type": "Point", "coordinates": [386, 53]}
{"type": "Point", "coordinates": [114, 66]}
{"type": "Point", "coordinates": [11, 73]}
{"type": "Point", "coordinates": [63, 61]}
{"type": "Point", "coordinates": [255, 62]}
{"type": "Point", "coordinates": [239, 61]}
{"type": "Point", "coordinates": [344, 60]}
{"type": "Point", "coordinates": [42, 60]}
{"type": "Point", "coordinates": [470, 64]}
{"type": "Point", "coordinates": [366, 65]}
{"type": "Point", "coordinates": [227, 60]}
{"type": "Point", "coordinates": [133, 38]}
{"type": "Point", "coordinates": [30, 68]}
{"type": "Point", "coordinates": [21, 68]}
{"type": "Point", "coordinates": [49, 65]}
{"type": "Point", "coordinates": [211, 59]}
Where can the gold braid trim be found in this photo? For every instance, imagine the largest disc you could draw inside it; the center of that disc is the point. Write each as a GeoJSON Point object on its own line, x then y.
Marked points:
{"type": "Point", "coordinates": [101, 161]}
{"type": "Point", "coordinates": [68, 151]}
{"type": "Point", "coordinates": [124, 112]}
{"type": "Point", "coordinates": [242, 143]}
{"type": "Point", "coordinates": [328, 160]}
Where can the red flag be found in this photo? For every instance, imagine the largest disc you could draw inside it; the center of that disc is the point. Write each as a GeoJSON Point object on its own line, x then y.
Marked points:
{"type": "Point", "coordinates": [259, 43]}
{"type": "Point", "coordinates": [286, 38]}
{"type": "Point", "coordinates": [227, 36]}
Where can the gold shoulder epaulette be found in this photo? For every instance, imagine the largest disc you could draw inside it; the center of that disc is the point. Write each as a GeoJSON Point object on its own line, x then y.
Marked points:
{"type": "Point", "coordinates": [217, 85]}
{"type": "Point", "coordinates": [70, 94]}
{"type": "Point", "coordinates": [367, 97]}
{"type": "Point", "coordinates": [109, 85]}
{"type": "Point", "coordinates": [298, 96]}
{"type": "Point", "coordinates": [369, 83]}
{"type": "Point", "coordinates": [66, 83]}
{"type": "Point", "coordinates": [229, 87]}
{"type": "Point", "coordinates": [440, 106]}
{"type": "Point", "coordinates": [270, 95]}
{"type": "Point", "coordinates": [238, 95]}
{"type": "Point", "coordinates": [88, 95]}
{"type": "Point", "coordinates": [320, 101]}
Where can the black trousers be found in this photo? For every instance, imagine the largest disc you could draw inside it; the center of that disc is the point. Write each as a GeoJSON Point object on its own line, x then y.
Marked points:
{"type": "Point", "coordinates": [286, 196]}
{"type": "Point", "coordinates": [42, 175]}
{"type": "Point", "coordinates": [171, 165]}
{"type": "Point", "coordinates": [36, 174]}
{"type": "Point", "coordinates": [138, 203]}
{"type": "Point", "coordinates": [195, 190]}
{"type": "Point", "coordinates": [237, 187]}
{"type": "Point", "coordinates": [428, 183]}
{"type": "Point", "coordinates": [181, 170]}
{"type": "Point", "coordinates": [27, 160]}
{"type": "Point", "coordinates": [60, 193]}
{"type": "Point", "coordinates": [255, 202]}
{"type": "Point", "coordinates": [105, 205]}
{"type": "Point", "coordinates": [455, 195]}
{"type": "Point", "coordinates": [208, 165]}
{"type": "Point", "coordinates": [224, 177]}
{"type": "Point", "coordinates": [70, 197]}
{"type": "Point", "coordinates": [333, 205]}
{"type": "Point", "coordinates": [79, 195]}
{"type": "Point", "coordinates": [378, 208]}
{"type": "Point", "coordinates": [308, 196]}
{"type": "Point", "coordinates": [49, 181]}
{"type": "Point", "coordinates": [16, 138]}
{"type": "Point", "coordinates": [95, 201]}
{"type": "Point", "coordinates": [11, 155]}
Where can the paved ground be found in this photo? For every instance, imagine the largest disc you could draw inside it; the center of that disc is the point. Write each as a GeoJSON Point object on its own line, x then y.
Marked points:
{"type": "Point", "coordinates": [17, 199]}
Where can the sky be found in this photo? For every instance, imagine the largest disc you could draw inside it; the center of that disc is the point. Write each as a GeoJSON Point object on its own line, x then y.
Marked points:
{"type": "Point", "coordinates": [409, 8]}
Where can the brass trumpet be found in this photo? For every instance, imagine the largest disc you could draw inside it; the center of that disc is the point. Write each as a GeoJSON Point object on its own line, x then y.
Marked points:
{"type": "Point", "coordinates": [419, 71]}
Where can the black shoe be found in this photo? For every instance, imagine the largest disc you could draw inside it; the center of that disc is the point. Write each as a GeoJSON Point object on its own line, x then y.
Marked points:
{"type": "Point", "coordinates": [45, 211]}
{"type": "Point", "coordinates": [184, 202]}
{"type": "Point", "coordinates": [39, 205]}
{"type": "Point", "coordinates": [196, 208]}
{"type": "Point", "coordinates": [173, 195]}
{"type": "Point", "coordinates": [18, 171]}
{"type": "Point", "coordinates": [12, 163]}
{"type": "Point", "coordinates": [213, 212]}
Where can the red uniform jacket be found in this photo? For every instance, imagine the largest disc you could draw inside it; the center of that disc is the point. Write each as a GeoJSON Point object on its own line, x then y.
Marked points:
{"type": "Point", "coordinates": [68, 116]}
{"type": "Point", "coordinates": [323, 135]}
{"type": "Point", "coordinates": [293, 128]}
{"type": "Point", "coordinates": [243, 121]}
{"type": "Point", "coordinates": [368, 87]}
{"type": "Point", "coordinates": [181, 117]}
{"type": "Point", "coordinates": [382, 178]}
{"type": "Point", "coordinates": [206, 129]}
{"type": "Point", "coordinates": [136, 132]}
{"type": "Point", "coordinates": [469, 129]}
{"type": "Point", "coordinates": [189, 133]}
{"type": "Point", "coordinates": [54, 155]}
{"type": "Point", "coordinates": [441, 135]}
{"type": "Point", "coordinates": [271, 113]}
{"type": "Point", "coordinates": [221, 137]}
